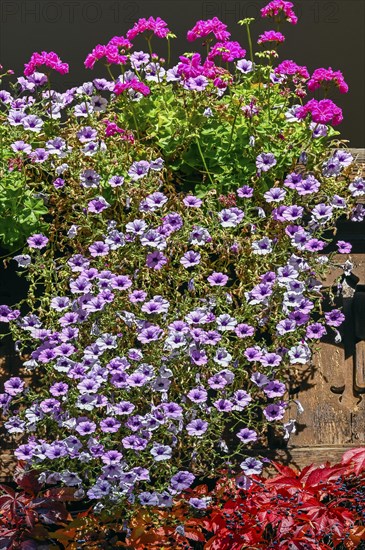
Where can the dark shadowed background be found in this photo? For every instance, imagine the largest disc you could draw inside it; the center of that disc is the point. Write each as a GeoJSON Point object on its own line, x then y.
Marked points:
{"type": "Point", "coordinates": [329, 33]}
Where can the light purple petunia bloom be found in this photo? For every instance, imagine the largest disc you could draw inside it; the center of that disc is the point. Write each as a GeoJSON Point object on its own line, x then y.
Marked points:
{"type": "Point", "coordinates": [7, 314]}
{"type": "Point", "coordinates": [265, 161]}
{"type": "Point", "coordinates": [134, 442]}
{"type": "Point", "coordinates": [262, 246]}
{"type": "Point", "coordinates": [13, 386]}
{"type": "Point", "coordinates": [87, 133]}
{"type": "Point", "coordinates": [198, 395]}
{"type": "Point", "coordinates": [223, 405]}
{"type": "Point", "coordinates": [156, 260]}
{"type": "Point", "coordinates": [24, 452]}
{"type": "Point", "coordinates": [357, 187]}
{"type": "Point", "coordinates": [275, 194]}
{"type": "Point", "coordinates": [96, 206]}
{"type": "Point", "coordinates": [150, 334]}
{"type": "Point", "coordinates": [155, 200]}
{"type": "Point", "coordinates": [307, 186]}
{"type": "Point", "coordinates": [273, 412]}
{"type": "Point", "coordinates": [274, 388]}
{"type": "Point", "coordinates": [270, 359]}
{"type": "Point", "coordinates": [116, 181]}
{"type": "Point", "coordinates": [240, 400]}
{"type": "Point", "coordinates": [21, 147]}
{"type": "Point", "coordinates": [121, 282]}
{"type": "Point", "coordinates": [243, 330]}
{"type": "Point", "coordinates": [98, 248]}
{"type": "Point", "coordinates": [32, 123]}
{"type": "Point", "coordinates": [192, 202]}
{"type": "Point", "coordinates": [181, 481]}
{"type": "Point", "coordinates": [85, 427]}
{"type": "Point", "coordinates": [246, 435]}
{"type": "Point", "coordinates": [110, 425]}
{"type": "Point", "coordinates": [334, 318]}
{"type": "Point", "coordinates": [190, 259]}
{"type": "Point", "coordinates": [251, 466]}
{"type": "Point", "coordinates": [217, 279]}
{"type": "Point", "coordinates": [344, 247]}
{"type": "Point", "coordinates": [199, 503]}
{"type": "Point", "coordinates": [137, 296]}
{"type": "Point", "coordinates": [225, 322]}
{"type": "Point", "coordinates": [89, 178]}
{"type": "Point", "coordinates": [23, 260]}
{"type": "Point", "coordinates": [245, 192]}
{"type": "Point", "coordinates": [147, 498]}
{"type": "Point", "coordinates": [244, 66]}
{"type": "Point", "coordinates": [138, 170]}
{"type": "Point", "coordinates": [315, 331]}
{"type": "Point", "coordinates": [161, 452]}
{"type": "Point", "coordinates": [37, 241]}
{"type": "Point", "coordinates": [230, 217]}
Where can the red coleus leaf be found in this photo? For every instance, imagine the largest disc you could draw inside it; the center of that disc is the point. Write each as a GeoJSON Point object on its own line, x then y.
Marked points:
{"type": "Point", "coordinates": [8, 490]}
{"type": "Point", "coordinates": [355, 457]}
{"type": "Point", "coordinates": [194, 535]}
{"type": "Point", "coordinates": [285, 470]}
{"type": "Point", "coordinates": [322, 475]}
{"type": "Point", "coordinates": [289, 482]}
{"type": "Point", "coordinates": [28, 481]}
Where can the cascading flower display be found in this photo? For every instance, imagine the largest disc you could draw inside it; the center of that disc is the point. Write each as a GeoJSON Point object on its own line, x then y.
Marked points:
{"type": "Point", "coordinates": [188, 204]}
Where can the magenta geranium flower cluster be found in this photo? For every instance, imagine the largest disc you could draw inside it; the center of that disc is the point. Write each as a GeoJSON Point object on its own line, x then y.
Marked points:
{"type": "Point", "coordinates": [189, 214]}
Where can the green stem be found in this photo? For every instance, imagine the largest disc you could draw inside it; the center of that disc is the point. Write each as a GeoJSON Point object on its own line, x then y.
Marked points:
{"type": "Point", "coordinates": [204, 162]}
{"type": "Point", "coordinates": [110, 72]}
{"type": "Point", "coordinates": [233, 126]}
{"type": "Point", "coordinates": [249, 41]}
{"type": "Point", "coordinates": [135, 119]}
{"type": "Point", "coordinates": [149, 46]}
{"type": "Point", "coordinates": [168, 51]}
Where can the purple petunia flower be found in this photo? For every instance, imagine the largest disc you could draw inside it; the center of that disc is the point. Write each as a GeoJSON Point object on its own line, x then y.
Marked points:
{"type": "Point", "coordinates": [198, 395]}
{"type": "Point", "coordinates": [244, 331]}
{"type": "Point", "coordinates": [161, 452]}
{"type": "Point", "coordinates": [265, 161]}
{"type": "Point", "coordinates": [85, 427]}
{"type": "Point", "coordinates": [274, 389]}
{"type": "Point", "coordinates": [217, 279]}
{"type": "Point", "coordinates": [7, 314]}
{"type": "Point", "coordinates": [344, 247]}
{"type": "Point", "coordinates": [156, 260]}
{"type": "Point", "coordinates": [192, 202]}
{"type": "Point", "coordinates": [134, 442]}
{"type": "Point", "coordinates": [37, 241]}
{"type": "Point", "coordinates": [334, 318]}
{"type": "Point", "coordinates": [181, 481]}
{"type": "Point", "coordinates": [138, 170]}
{"type": "Point", "coordinates": [150, 334]}
{"type": "Point", "coordinates": [251, 466]}
{"type": "Point", "coordinates": [109, 425]}
{"type": "Point", "coordinates": [96, 206]}
{"type": "Point", "coordinates": [98, 248]}
{"type": "Point", "coordinates": [190, 258]}
{"type": "Point", "coordinates": [246, 435]}
{"type": "Point", "coordinates": [89, 178]}
{"type": "Point", "coordinates": [223, 405]}
{"type": "Point", "coordinates": [199, 503]}
{"type": "Point", "coordinates": [14, 386]}
{"type": "Point", "coordinates": [274, 412]}
{"type": "Point", "coordinates": [315, 330]}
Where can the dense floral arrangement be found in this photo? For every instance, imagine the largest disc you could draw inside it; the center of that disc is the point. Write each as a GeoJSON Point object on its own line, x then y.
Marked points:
{"type": "Point", "coordinates": [318, 508]}
{"type": "Point", "coordinates": [177, 289]}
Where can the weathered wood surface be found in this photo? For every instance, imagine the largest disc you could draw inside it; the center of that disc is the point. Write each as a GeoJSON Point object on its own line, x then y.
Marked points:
{"type": "Point", "coordinates": [331, 390]}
